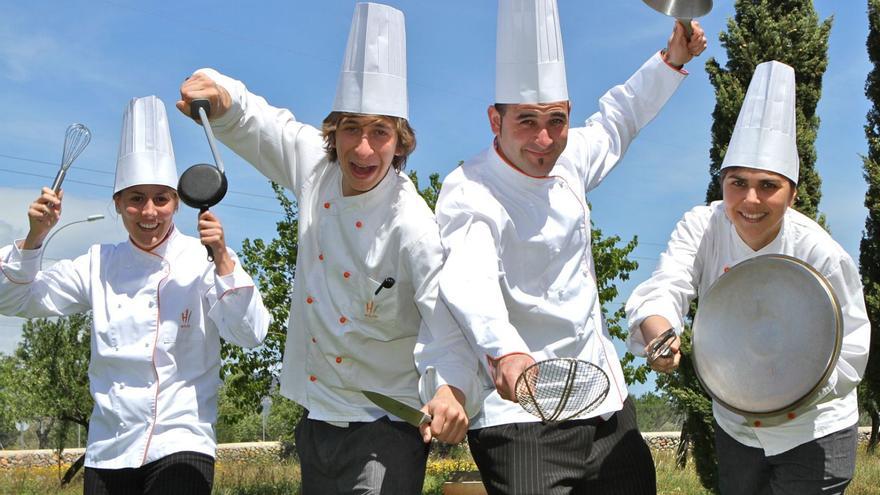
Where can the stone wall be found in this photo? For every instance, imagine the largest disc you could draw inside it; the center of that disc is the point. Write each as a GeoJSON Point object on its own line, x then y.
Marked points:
{"type": "Point", "coordinates": [270, 451]}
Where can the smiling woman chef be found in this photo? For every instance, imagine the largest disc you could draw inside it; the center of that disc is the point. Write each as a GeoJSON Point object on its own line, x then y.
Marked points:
{"type": "Point", "coordinates": [159, 310]}
{"type": "Point", "coordinates": [815, 451]}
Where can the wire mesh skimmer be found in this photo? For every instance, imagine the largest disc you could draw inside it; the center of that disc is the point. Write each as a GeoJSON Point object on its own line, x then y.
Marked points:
{"type": "Point", "coordinates": [561, 388]}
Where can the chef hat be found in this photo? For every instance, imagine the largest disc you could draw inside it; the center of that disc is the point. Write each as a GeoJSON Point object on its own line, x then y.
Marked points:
{"type": "Point", "coordinates": [373, 77]}
{"type": "Point", "coordinates": [145, 152]}
{"type": "Point", "coordinates": [529, 64]}
{"type": "Point", "coordinates": [765, 137]}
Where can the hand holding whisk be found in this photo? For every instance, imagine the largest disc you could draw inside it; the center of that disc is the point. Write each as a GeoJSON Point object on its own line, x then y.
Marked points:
{"type": "Point", "coordinates": [75, 141]}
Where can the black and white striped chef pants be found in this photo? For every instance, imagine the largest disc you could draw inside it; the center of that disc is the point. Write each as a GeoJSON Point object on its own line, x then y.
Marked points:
{"type": "Point", "coordinates": [590, 456]}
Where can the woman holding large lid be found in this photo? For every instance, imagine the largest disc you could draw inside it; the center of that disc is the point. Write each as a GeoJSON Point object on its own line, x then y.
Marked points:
{"type": "Point", "coordinates": [814, 451]}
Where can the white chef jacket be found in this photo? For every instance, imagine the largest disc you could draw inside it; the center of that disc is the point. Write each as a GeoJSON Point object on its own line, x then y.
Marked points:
{"type": "Point", "coordinates": [704, 244]}
{"type": "Point", "coordinates": [519, 273]}
{"type": "Point", "coordinates": [343, 337]}
{"type": "Point", "coordinates": [155, 348]}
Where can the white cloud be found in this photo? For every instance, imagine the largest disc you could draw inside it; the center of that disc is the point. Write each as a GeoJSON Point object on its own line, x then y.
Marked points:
{"type": "Point", "coordinates": [73, 241]}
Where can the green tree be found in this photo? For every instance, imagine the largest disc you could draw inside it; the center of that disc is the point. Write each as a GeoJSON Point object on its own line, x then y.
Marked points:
{"type": "Point", "coordinates": [249, 373]}
{"type": "Point", "coordinates": [869, 258]}
{"type": "Point", "coordinates": [656, 413]}
{"type": "Point", "coordinates": [788, 31]}
{"type": "Point", "coordinates": [612, 263]}
{"type": "Point", "coordinates": [49, 374]}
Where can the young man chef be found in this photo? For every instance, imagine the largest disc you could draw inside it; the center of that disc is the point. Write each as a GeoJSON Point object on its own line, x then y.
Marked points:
{"type": "Point", "coordinates": [519, 276]}
{"type": "Point", "coordinates": [814, 451]}
{"type": "Point", "coordinates": [365, 293]}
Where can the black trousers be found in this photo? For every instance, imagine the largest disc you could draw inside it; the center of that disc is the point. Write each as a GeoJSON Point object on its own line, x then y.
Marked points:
{"type": "Point", "coordinates": [573, 457]}
{"type": "Point", "coordinates": [823, 466]}
{"type": "Point", "coordinates": [382, 457]}
{"type": "Point", "coordinates": [181, 473]}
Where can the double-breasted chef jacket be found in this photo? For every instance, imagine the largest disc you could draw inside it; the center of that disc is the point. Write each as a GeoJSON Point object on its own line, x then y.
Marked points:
{"type": "Point", "coordinates": [703, 245]}
{"type": "Point", "coordinates": [344, 336]}
{"type": "Point", "coordinates": [519, 274]}
{"type": "Point", "coordinates": [158, 317]}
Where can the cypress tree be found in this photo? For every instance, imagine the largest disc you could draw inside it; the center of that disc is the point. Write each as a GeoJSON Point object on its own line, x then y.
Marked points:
{"type": "Point", "coordinates": [788, 31]}
{"type": "Point", "coordinates": [869, 257]}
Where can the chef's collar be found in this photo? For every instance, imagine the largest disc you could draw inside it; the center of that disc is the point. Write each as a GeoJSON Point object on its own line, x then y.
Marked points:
{"type": "Point", "coordinates": [774, 246]}
{"type": "Point", "coordinates": [368, 198]}
{"type": "Point", "coordinates": [159, 249]}
{"type": "Point", "coordinates": [506, 169]}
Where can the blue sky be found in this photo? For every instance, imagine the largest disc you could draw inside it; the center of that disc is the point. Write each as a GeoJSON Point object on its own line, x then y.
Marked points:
{"type": "Point", "coordinates": [81, 61]}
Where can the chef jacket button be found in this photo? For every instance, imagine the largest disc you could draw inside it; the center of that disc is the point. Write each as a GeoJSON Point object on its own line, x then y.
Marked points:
{"type": "Point", "coordinates": [326, 206]}
{"type": "Point", "coordinates": [338, 360]}
{"type": "Point", "coordinates": [561, 294]}
{"type": "Point", "coordinates": [116, 349]}
{"type": "Point", "coordinates": [321, 256]}
{"type": "Point", "coordinates": [121, 385]}
{"type": "Point", "coordinates": [314, 341]}
{"type": "Point", "coordinates": [757, 424]}
{"type": "Point", "coordinates": [343, 319]}
{"type": "Point", "coordinates": [313, 378]}
{"type": "Point", "coordinates": [119, 306]}
{"type": "Point", "coordinates": [726, 269]}
{"type": "Point", "coordinates": [346, 274]}
{"type": "Point", "coordinates": [359, 224]}
{"type": "Point", "coordinates": [146, 344]}
{"type": "Point", "coordinates": [151, 304]}
{"type": "Point", "coordinates": [309, 300]}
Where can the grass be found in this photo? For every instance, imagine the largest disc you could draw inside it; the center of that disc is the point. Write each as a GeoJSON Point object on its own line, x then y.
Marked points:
{"type": "Point", "coordinates": [271, 478]}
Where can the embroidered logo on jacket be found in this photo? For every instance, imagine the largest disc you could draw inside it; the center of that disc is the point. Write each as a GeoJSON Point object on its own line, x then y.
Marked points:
{"type": "Point", "coordinates": [370, 309]}
{"type": "Point", "coordinates": [184, 318]}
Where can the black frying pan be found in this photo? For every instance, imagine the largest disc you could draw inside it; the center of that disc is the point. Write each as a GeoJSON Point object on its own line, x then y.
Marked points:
{"type": "Point", "coordinates": [203, 185]}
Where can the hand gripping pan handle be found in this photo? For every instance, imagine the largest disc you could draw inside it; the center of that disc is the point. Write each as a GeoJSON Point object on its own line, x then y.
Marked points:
{"type": "Point", "coordinates": [203, 186]}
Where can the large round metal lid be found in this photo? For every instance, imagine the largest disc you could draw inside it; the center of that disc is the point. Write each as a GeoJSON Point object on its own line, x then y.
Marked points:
{"type": "Point", "coordinates": [766, 335]}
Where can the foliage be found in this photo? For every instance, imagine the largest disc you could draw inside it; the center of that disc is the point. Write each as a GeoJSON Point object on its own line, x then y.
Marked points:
{"type": "Point", "coordinates": [656, 413]}
{"type": "Point", "coordinates": [430, 193]}
{"type": "Point", "coordinates": [869, 258]}
{"type": "Point", "coordinates": [48, 379]}
{"type": "Point", "coordinates": [243, 425]}
{"type": "Point", "coordinates": [612, 263]}
{"type": "Point", "coordinates": [249, 373]}
{"type": "Point", "coordinates": [788, 31]}
{"type": "Point", "coordinates": [51, 369]}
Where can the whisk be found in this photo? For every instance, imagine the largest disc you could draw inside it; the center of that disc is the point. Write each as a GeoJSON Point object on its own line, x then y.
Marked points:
{"type": "Point", "coordinates": [75, 141]}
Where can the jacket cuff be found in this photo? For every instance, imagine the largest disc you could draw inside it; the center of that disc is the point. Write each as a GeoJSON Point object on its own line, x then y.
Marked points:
{"type": "Point", "coordinates": [20, 266]}
{"type": "Point", "coordinates": [236, 94]}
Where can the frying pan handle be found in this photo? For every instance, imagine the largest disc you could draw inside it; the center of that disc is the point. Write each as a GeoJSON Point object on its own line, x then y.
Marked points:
{"type": "Point", "coordinates": [207, 247]}
{"type": "Point", "coordinates": [685, 23]}
{"type": "Point", "coordinates": [195, 105]}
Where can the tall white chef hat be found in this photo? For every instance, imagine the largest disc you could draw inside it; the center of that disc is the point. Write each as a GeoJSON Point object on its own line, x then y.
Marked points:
{"type": "Point", "coordinates": [145, 152]}
{"type": "Point", "coordinates": [529, 63]}
{"type": "Point", "coordinates": [373, 77]}
{"type": "Point", "coordinates": [765, 135]}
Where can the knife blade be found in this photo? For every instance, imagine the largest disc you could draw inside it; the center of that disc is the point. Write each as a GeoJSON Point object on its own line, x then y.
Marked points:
{"type": "Point", "coordinates": [407, 413]}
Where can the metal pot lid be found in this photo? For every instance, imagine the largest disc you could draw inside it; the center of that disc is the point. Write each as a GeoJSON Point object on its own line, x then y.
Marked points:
{"type": "Point", "coordinates": [688, 9]}
{"type": "Point", "coordinates": [766, 335]}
